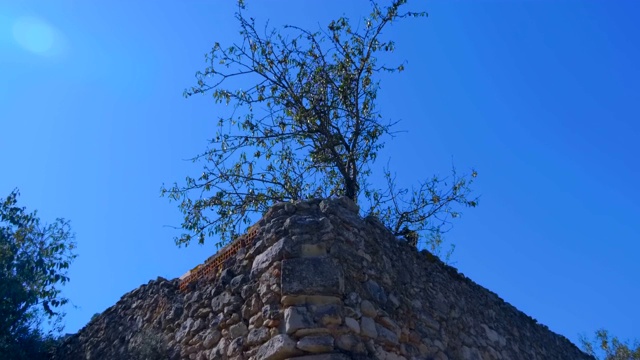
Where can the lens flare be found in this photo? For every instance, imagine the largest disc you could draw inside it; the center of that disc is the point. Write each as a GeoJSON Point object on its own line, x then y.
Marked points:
{"type": "Point", "coordinates": [36, 36]}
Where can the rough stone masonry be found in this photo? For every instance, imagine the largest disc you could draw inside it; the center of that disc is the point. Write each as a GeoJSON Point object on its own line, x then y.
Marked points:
{"type": "Point", "coordinates": [319, 283]}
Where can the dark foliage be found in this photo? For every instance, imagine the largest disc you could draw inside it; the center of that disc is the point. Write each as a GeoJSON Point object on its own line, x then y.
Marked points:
{"type": "Point", "coordinates": [34, 259]}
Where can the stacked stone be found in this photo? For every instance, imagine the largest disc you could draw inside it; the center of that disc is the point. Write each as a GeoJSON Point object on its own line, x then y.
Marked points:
{"type": "Point", "coordinates": [319, 283]}
{"type": "Point", "coordinates": [114, 333]}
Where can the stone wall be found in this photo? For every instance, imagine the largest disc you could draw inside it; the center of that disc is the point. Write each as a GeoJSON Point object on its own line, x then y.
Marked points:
{"type": "Point", "coordinates": [319, 283]}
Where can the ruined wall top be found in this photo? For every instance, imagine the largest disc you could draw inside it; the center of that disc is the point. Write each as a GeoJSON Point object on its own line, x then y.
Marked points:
{"type": "Point", "coordinates": [317, 281]}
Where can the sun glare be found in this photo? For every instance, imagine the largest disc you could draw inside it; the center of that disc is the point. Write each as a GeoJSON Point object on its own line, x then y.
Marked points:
{"type": "Point", "coordinates": [36, 36]}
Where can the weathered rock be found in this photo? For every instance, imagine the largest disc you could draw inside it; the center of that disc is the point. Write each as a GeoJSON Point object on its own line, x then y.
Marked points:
{"type": "Point", "coordinates": [277, 348]}
{"type": "Point", "coordinates": [184, 334]}
{"type": "Point", "coordinates": [352, 324]}
{"type": "Point", "coordinates": [267, 258]}
{"type": "Point", "coordinates": [235, 347]}
{"type": "Point", "coordinates": [367, 309]}
{"type": "Point", "coordinates": [328, 314]}
{"type": "Point", "coordinates": [296, 318]}
{"type": "Point", "coordinates": [257, 336]}
{"type": "Point", "coordinates": [387, 336]}
{"type": "Point", "coordinates": [239, 329]}
{"type": "Point", "coordinates": [316, 344]}
{"type": "Point", "coordinates": [211, 339]}
{"type": "Point", "coordinates": [350, 343]}
{"type": "Point", "coordinates": [368, 327]}
{"type": "Point", "coordinates": [311, 276]}
{"type": "Point", "coordinates": [219, 302]}
{"type": "Point", "coordinates": [376, 291]}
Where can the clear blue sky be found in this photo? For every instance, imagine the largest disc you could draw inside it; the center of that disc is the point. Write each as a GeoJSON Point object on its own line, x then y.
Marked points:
{"type": "Point", "coordinates": [541, 97]}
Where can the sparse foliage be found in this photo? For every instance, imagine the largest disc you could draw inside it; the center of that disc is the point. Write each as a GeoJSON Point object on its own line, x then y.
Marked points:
{"type": "Point", "coordinates": [426, 209]}
{"type": "Point", "coordinates": [303, 124]}
{"type": "Point", "coordinates": [604, 347]}
{"type": "Point", "coordinates": [34, 259]}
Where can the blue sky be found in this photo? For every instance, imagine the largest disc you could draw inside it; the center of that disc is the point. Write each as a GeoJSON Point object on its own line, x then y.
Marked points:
{"type": "Point", "coordinates": [541, 97]}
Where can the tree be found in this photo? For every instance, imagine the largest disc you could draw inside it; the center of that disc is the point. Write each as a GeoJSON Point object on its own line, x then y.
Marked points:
{"type": "Point", "coordinates": [34, 259]}
{"type": "Point", "coordinates": [304, 124]}
{"type": "Point", "coordinates": [611, 348]}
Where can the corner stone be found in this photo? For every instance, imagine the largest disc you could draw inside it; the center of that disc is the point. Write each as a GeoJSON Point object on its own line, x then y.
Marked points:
{"type": "Point", "coordinates": [268, 257]}
{"type": "Point", "coordinates": [311, 276]}
{"type": "Point", "coordinates": [316, 344]}
{"type": "Point", "coordinates": [278, 347]}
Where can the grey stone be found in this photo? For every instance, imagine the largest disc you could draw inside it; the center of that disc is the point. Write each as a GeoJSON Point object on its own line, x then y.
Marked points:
{"type": "Point", "coordinates": [211, 339]}
{"type": "Point", "coordinates": [394, 301]}
{"type": "Point", "coordinates": [239, 329]}
{"type": "Point", "coordinates": [430, 322]}
{"type": "Point", "coordinates": [351, 312]}
{"type": "Point", "coordinates": [386, 336]}
{"type": "Point", "coordinates": [300, 224]}
{"type": "Point", "coordinates": [251, 307]}
{"type": "Point", "coordinates": [271, 312]}
{"type": "Point", "coordinates": [197, 326]}
{"type": "Point", "coordinates": [313, 250]}
{"type": "Point", "coordinates": [342, 202]}
{"type": "Point", "coordinates": [236, 283]}
{"type": "Point", "coordinates": [289, 208]}
{"type": "Point", "coordinates": [256, 320]}
{"type": "Point", "coordinates": [217, 321]}
{"type": "Point", "coordinates": [278, 347]}
{"type": "Point", "coordinates": [219, 302]}
{"type": "Point", "coordinates": [382, 354]}
{"type": "Point", "coordinates": [220, 351]}
{"type": "Point", "coordinates": [368, 309]}
{"type": "Point", "coordinates": [322, 300]}
{"type": "Point", "coordinates": [311, 276]}
{"type": "Point", "coordinates": [225, 276]}
{"type": "Point", "coordinates": [350, 342]}
{"type": "Point", "coordinates": [470, 354]}
{"type": "Point", "coordinates": [316, 344]}
{"type": "Point", "coordinates": [183, 335]}
{"type": "Point", "coordinates": [493, 336]}
{"type": "Point", "coordinates": [203, 313]}
{"type": "Point", "coordinates": [235, 346]}
{"type": "Point", "coordinates": [368, 327]}
{"type": "Point", "coordinates": [267, 258]}
{"type": "Point", "coordinates": [352, 324]}
{"type": "Point", "coordinates": [389, 324]}
{"type": "Point", "coordinates": [257, 336]}
{"type": "Point", "coordinates": [376, 291]}
{"type": "Point", "coordinates": [296, 318]}
{"type": "Point", "coordinates": [328, 314]}
{"type": "Point", "coordinates": [175, 313]}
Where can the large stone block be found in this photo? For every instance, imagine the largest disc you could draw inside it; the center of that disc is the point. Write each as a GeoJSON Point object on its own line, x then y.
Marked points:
{"type": "Point", "coordinates": [263, 261]}
{"type": "Point", "coordinates": [278, 348]}
{"type": "Point", "coordinates": [316, 344]}
{"type": "Point", "coordinates": [312, 276]}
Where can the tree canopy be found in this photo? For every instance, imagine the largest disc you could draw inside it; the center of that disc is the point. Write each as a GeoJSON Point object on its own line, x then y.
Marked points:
{"type": "Point", "coordinates": [304, 124]}
{"type": "Point", "coordinates": [34, 259]}
{"type": "Point", "coordinates": [606, 347]}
